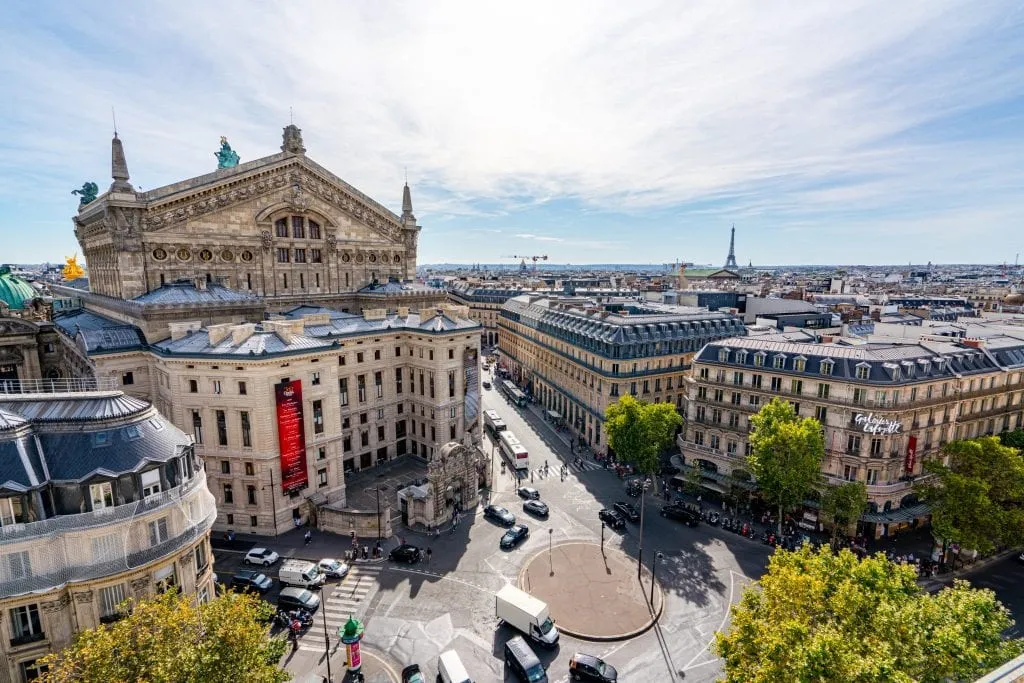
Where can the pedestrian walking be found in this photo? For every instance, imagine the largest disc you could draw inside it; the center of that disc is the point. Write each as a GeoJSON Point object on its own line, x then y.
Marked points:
{"type": "Point", "coordinates": [429, 553]}
{"type": "Point", "coordinates": [366, 552]}
{"type": "Point", "coordinates": [295, 641]}
{"type": "Point", "coordinates": [308, 536]}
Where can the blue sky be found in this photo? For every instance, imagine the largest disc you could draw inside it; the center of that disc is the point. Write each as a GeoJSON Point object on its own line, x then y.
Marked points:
{"type": "Point", "coordinates": [855, 132]}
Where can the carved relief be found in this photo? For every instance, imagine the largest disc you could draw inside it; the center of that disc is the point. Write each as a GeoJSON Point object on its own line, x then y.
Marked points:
{"type": "Point", "coordinates": [266, 240]}
{"type": "Point", "coordinates": [84, 597]}
{"type": "Point", "coordinates": [184, 254]}
{"type": "Point", "coordinates": [247, 255]}
{"type": "Point", "coordinates": [140, 586]}
{"type": "Point", "coordinates": [205, 255]}
{"type": "Point", "coordinates": [332, 243]}
{"type": "Point", "coordinates": [160, 254]}
{"type": "Point", "coordinates": [56, 605]}
{"type": "Point", "coordinates": [345, 258]}
{"type": "Point", "coordinates": [186, 559]}
{"type": "Point", "coordinates": [227, 255]}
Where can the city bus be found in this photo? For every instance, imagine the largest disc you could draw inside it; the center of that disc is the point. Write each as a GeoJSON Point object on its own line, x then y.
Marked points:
{"type": "Point", "coordinates": [493, 422]}
{"type": "Point", "coordinates": [513, 451]}
{"type": "Point", "coordinates": [513, 394]}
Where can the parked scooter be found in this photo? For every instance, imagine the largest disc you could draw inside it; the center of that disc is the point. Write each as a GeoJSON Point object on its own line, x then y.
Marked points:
{"type": "Point", "coordinates": [304, 618]}
{"type": "Point", "coordinates": [713, 519]}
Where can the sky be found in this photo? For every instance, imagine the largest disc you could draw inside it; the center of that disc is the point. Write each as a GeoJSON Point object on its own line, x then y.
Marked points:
{"type": "Point", "coordinates": [869, 132]}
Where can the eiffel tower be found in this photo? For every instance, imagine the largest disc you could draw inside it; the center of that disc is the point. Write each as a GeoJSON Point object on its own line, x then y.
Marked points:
{"type": "Point", "coordinates": [730, 261]}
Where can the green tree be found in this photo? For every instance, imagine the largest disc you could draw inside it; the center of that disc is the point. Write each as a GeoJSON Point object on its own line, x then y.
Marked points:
{"type": "Point", "coordinates": [842, 505]}
{"type": "Point", "coordinates": [977, 499]}
{"type": "Point", "coordinates": [786, 455]}
{"type": "Point", "coordinates": [1014, 439]}
{"type": "Point", "coordinates": [638, 431]}
{"type": "Point", "coordinates": [168, 638]}
{"type": "Point", "coordinates": [824, 616]}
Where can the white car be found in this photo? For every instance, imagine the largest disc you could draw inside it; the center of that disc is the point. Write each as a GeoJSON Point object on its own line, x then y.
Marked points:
{"type": "Point", "coordinates": [333, 569]}
{"type": "Point", "coordinates": [261, 556]}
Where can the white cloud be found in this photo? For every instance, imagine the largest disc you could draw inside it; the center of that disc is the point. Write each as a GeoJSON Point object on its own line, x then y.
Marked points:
{"type": "Point", "coordinates": [753, 110]}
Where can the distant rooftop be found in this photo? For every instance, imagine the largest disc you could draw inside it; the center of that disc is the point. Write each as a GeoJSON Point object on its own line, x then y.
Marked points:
{"type": "Point", "coordinates": [184, 291]}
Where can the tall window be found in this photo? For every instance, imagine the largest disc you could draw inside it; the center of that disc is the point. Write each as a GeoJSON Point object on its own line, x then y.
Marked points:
{"type": "Point", "coordinates": [315, 257]}
{"type": "Point", "coordinates": [26, 626]}
{"type": "Point", "coordinates": [250, 491]}
{"type": "Point", "coordinates": [298, 229]}
{"type": "Point", "coordinates": [378, 383]}
{"type": "Point", "coordinates": [300, 255]}
{"type": "Point", "coordinates": [110, 598]}
{"type": "Point", "coordinates": [242, 389]}
{"type": "Point", "coordinates": [222, 428]}
{"type": "Point", "coordinates": [229, 494]}
{"type": "Point", "coordinates": [431, 384]}
{"type": "Point", "coordinates": [19, 564]}
{"type": "Point", "coordinates": [343, 390]}
{"type": "Point", "coordinates": [318, 417]}
{"type": "Point", "coordinates": [398, 380]}
{"type": "Point", "coordinates": [158, 531]}
{"type": "Point", "coordinates": [281, 227]}
{"type": "Point", "coordinates": [246, 430]}
{"type": "Point", "coordinates": [102, 495]}
{"type": "Point", "coordinates": [361, 386]}
{"type": "Point", "coordinates": [282, 255]}
{"type": "Point", "coordinates": [150, 483]}
{"type": "Point", "coordinates": [451, 384]}
{"type": "Point", "coordinates": [314, 230]}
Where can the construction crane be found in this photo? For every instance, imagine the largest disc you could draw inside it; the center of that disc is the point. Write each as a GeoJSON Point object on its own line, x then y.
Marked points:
{"type": "Point", "coordinates": [529, 258]}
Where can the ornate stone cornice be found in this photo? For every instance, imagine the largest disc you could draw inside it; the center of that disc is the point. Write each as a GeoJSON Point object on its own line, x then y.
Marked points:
{"type": "Point", "coordinates": [84, 597]}
{"type": "Point", "coordinates": [56, 605]}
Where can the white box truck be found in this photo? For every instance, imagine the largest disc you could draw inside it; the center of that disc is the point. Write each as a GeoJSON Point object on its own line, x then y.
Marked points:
{"type": "Point", "coordinates": [526, 613]}
{"type": "Point", "coordinates": [300, 573]}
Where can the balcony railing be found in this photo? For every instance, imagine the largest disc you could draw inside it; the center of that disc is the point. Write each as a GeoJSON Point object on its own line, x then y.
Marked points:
{"type": "Point", "coordinates": [58, 386]}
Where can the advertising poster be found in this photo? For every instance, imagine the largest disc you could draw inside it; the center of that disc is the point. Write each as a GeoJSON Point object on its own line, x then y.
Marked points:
{"type": "Point", "coordinates": [291, 435]}
{"type": "Point", "coordinates": [471, 377]}
{"type": "Point", "coordinates": [911, 454]}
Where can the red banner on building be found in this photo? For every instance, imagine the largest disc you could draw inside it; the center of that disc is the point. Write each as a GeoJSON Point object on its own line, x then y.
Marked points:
{"type": "Point", "coordinates": [291, 436]}
{"type": "Point", "coordinates": [911, 455]}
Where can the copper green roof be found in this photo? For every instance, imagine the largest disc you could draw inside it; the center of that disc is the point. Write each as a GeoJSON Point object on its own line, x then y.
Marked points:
{"type": "Point", "coordinates": [14, 291]}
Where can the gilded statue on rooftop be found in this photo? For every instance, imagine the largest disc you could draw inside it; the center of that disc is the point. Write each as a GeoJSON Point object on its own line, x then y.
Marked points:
{"type": "Point", "coordinates": [72, 270]}
{"type": "Point", "coordinates": [226, 157]}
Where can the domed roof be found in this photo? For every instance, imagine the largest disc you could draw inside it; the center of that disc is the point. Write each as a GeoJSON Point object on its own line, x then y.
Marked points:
{"type": "Point", "coordinates": [1014, 299]}
{"type": "Point", "coordinates": [14, 291]}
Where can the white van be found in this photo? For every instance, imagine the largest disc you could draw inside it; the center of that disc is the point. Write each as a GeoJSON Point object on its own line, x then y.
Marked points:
{"type": "Point", "coordinates": [450, 669]}
{"type": "Point", "coordinates": [300, 573]}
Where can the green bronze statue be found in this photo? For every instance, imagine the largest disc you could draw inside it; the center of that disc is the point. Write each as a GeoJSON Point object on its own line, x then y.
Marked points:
{"type": "Point", "coordinates": [87, 193]}
{"type": "Point", "coordinates": [226, 157]}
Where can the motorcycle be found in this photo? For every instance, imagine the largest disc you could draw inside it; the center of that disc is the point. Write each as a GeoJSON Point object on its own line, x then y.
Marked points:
{"type": "Point", "coordinates": [713, 519]}
{"type": "Point", "coordinates": [282, 619]}
{"type": "Point", "coordinates": [304, 618]}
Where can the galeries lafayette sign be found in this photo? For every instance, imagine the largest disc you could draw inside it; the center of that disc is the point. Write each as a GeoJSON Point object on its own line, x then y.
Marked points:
{"type": "Point", "coordinates": [877, 425]}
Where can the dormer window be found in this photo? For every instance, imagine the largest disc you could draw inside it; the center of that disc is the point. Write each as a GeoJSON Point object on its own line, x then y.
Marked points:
{"type": "Point", "coordinates": [863, 371]}
{"type": "Point", "coordinates": [741, 356]}
{"type": "Point", "coordinates": [759, 358]}
{"type": "Point", "coordinates": [826, 366]}
{"type": "Point", "coordinates": [723, 355]}
{"type": "Point", "coordinates": [799, 364]}
{"type": "Point", "coordinates": [779, 362]}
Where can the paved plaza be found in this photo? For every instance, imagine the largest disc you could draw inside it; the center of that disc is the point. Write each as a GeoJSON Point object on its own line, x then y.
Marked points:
{"type": "Point", "coordinates": [593, 593]}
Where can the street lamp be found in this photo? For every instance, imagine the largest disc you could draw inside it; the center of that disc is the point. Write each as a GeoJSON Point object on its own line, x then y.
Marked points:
{"type": "Point", "coordinates": [654, 566]}
{"type": "Point", "coordinates": [551, 565]}
{"type": "Point", "coordinates": [378, 515]}
{"type": "Point", "coordinates": [273, 499]}
{"type": "Point", "coordinates": [327, 637]}
{"type": "Point", "coordinates": [640, 552]}
{"type": "Point", "coordinates": [602, 538]}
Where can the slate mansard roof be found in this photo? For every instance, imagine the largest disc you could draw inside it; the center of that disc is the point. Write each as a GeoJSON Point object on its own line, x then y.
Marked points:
{"type": "Point", "coordinates": [71, 438]}
{"type": "Point", "coordinates": [324, 333]}
{"type": "Point", "coordinates": [886, 363]}
{"type": "Point", "coordinates": [623, 328]}
{"type": "Point", "coordinates": [99, 333]}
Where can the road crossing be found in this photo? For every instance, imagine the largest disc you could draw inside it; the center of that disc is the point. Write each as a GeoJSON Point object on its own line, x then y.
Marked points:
{"type": "Point", "coordinates": [339, 601]}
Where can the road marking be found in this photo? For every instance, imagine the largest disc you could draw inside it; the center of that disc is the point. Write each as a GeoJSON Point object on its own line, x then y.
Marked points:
{"type": "Point", "coordinates": [445, 578]}
{"type": "Point", "coordinates": [732, 588]}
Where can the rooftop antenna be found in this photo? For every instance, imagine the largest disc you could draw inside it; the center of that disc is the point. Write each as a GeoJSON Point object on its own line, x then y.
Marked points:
{"type": "Point", "coordinates": [406, 175]}
{"type": "Point", "coordinates": [113, 115]}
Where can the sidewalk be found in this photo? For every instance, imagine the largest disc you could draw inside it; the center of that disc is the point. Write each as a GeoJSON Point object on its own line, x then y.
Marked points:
{"type": "Point", "coordinates": [309, 667]}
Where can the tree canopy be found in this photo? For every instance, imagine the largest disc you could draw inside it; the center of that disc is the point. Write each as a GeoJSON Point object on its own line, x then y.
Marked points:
{"type": "Point", "coordinates": [842, 505]}
{"type": "Point", "coordinates": [977, 499]}
{"type": "Point", "coordinates": [822, 616]}
{"type": "Point", "coordinates": [168, 638]}
{"type": "Point", "coordinates": [639, 431]}
{"type": "Point", "coordinates": [786, 454]}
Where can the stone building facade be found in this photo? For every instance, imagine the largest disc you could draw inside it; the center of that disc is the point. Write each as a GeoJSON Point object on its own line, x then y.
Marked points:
{"type": "Point", "coordinates": [102, 500]}
{"type": "Point", "coordinates": [577, 356]}
{"type": "Point", "coordinates": [373, 387]}
{"type": "Point", "coordinates": [885, 407]}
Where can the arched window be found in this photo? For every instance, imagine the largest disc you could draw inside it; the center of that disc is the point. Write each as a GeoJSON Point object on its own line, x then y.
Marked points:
{"type": "Point", "coordinates": [281, 227]}
{"type": "Point", "coordinates": [298, 227]}
{"type": "Point", "coordinates": [314, 230]}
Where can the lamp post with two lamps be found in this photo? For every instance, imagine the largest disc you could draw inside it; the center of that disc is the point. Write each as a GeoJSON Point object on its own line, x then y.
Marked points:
{"type": "Point", "coordinates": [640, 553]}
{"type": "Point", "coordinates": [654, 565]}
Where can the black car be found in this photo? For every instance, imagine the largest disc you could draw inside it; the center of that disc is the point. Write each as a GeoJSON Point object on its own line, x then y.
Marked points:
{"type": "Point", "coordinates": [499, 515]}
{"type": "Point", "coordinates": [590, 668]}
{"type": "Point", "coordinates": [536, 508]}
{"type": "Point", "coordinates": [634, 488]}
{"type": "Point", "coordinates": [412, 674]}
{"type": "Point", "coordinates": [627, 510]}
{"type": "Point", "coordinates": [612, 518]}
{"type": "Point", "coordinates": [407, 553]}
{"type": "Point", "coordinates": [514, 536]}
{"type": "Point", "coordinates": [528, 493]}
{"type": "Point", "coordinates": [251, 582]}
{"type": "Point", "coordinates": [678, 512]}
{"type": "Point", "coordinates": [485, 384]}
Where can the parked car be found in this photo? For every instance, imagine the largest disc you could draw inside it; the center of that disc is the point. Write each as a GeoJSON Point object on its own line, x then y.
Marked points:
{"type": "Point", "coordinates": [514, 536]}
{"type": "Point", "coordinates": [535, 507]}
{"type": "Point", "coordinates": [1020, 558]}
{"type": "Point", "coordinates": [485, 384]}
{"type": "Point", "coordinates": [298, 598]}
{"type": "Point", "coordinates": [627, 510]}
{"type": "Point", "coordinates": [611, 518]}
{"type": "Point", "coordinates": [332, 569]}
{"type": "Point", "coordinates": [590, 668]}
{"type": "Point", "coordinates": [678, 512]}
{"type": "Point", "coordinates": [261, 556]}
{"type": "Point", "coordinates": [528, 493]}
{"type": "Point", "coordinates": [251, 582]}
{"type": "Point", "coordinates": [407, 553]}
{"type": "Point", "coordinates": [500, 515]}
{"type": "Point", "coordinates": [412, 674]}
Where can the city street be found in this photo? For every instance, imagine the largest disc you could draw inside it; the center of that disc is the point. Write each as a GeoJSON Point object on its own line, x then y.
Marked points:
{"type": "Point", "coordinates": [412, 613]}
